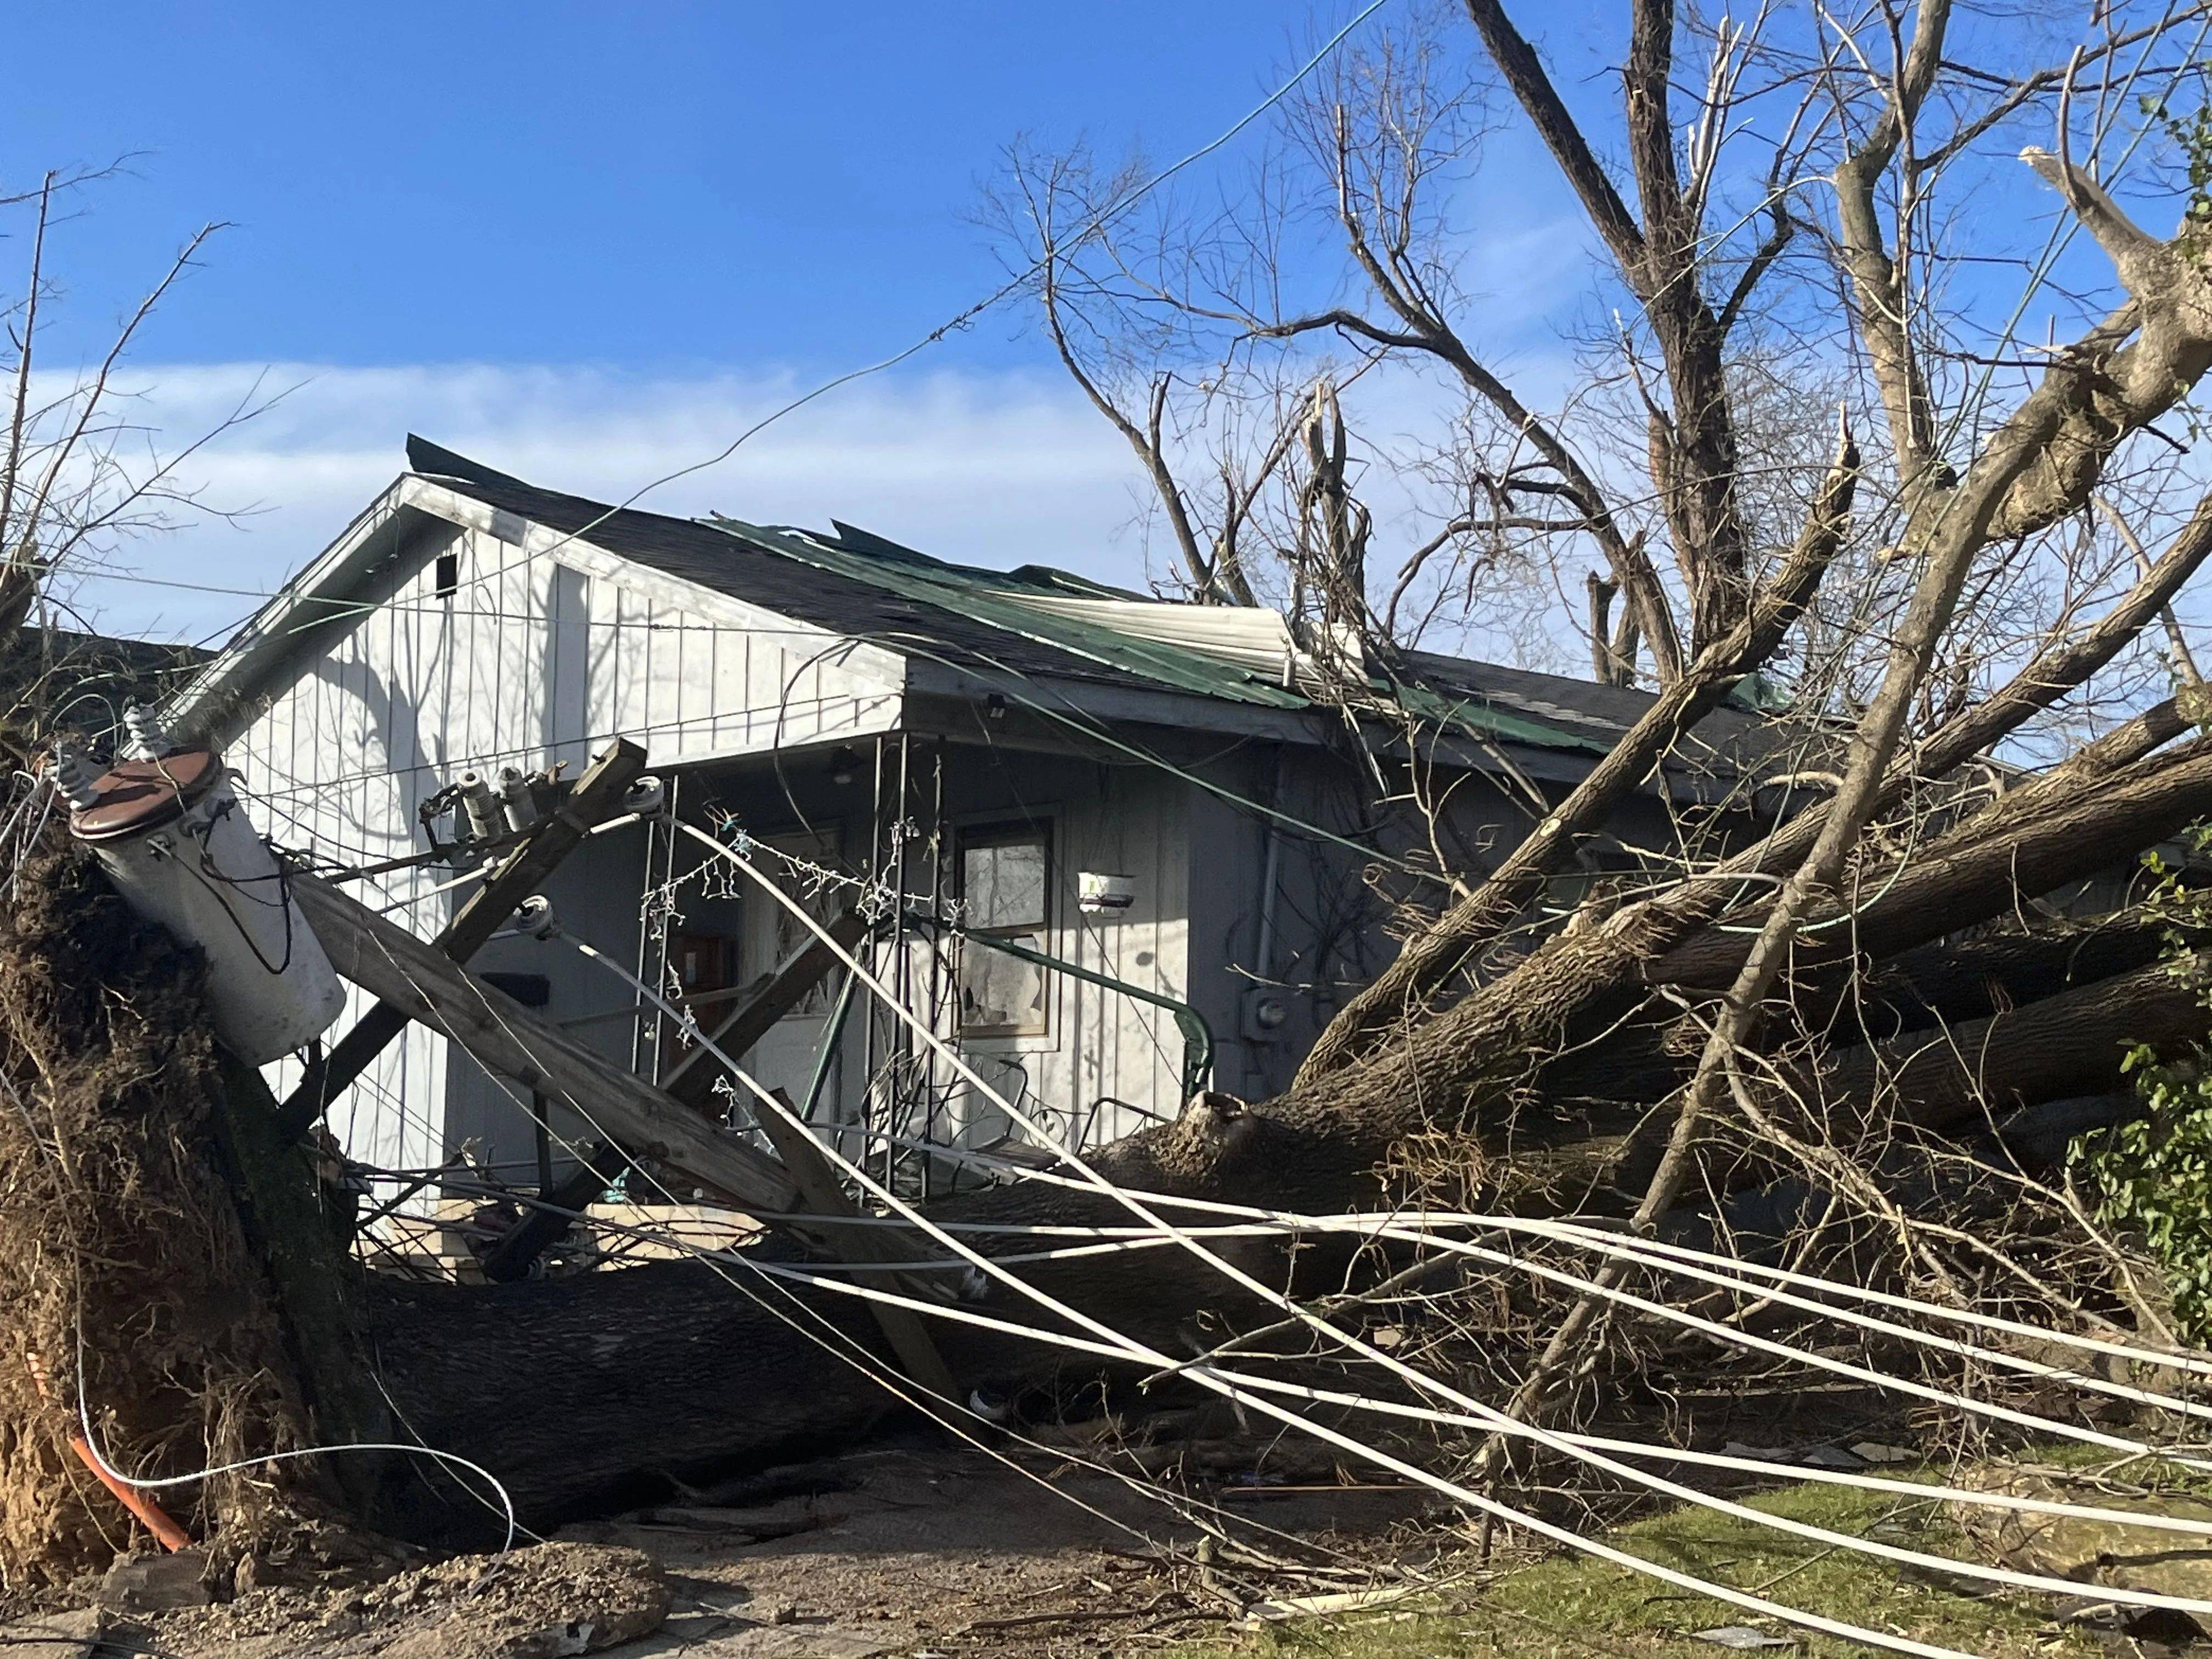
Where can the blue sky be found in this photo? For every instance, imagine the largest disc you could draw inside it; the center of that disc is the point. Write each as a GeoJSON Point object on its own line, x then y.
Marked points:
{"type": "Point", "coordinates": [590, 244]}
{"type": "Point", "coordinates": [650, 186]}
{"type": "Point", "coordinates": [587, 242]}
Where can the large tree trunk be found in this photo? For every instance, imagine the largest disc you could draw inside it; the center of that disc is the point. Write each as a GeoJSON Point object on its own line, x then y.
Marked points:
{"type": "Point", "coordinates": [604, 1388]}
{"type": "Point", "coordinates": [580, 1392]}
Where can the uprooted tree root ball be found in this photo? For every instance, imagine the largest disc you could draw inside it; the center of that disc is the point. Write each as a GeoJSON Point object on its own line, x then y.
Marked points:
{"type": "Point", "coordinates": [126, 1272]}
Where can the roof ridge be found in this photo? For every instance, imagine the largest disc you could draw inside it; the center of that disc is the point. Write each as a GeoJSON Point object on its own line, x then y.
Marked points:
{"type": "Point", "coordinates": [436, 460]}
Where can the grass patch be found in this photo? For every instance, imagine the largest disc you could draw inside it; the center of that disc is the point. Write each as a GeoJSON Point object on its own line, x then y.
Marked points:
{"type": "Point", "coordinates": [1570, 1606]}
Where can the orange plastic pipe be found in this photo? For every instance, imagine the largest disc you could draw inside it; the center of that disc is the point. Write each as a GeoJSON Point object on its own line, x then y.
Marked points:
{"type": "Point", "coordinates": [155, 1518]}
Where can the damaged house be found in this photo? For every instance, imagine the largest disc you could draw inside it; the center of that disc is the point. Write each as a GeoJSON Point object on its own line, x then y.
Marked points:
{"type": "Point", "coordinates": [1114, 849]}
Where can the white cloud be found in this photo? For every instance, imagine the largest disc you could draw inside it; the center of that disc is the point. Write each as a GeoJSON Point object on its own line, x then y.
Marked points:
{"type": "Point", "coordinates": [993, 469]}
{"type": "Point", "coordinates": [989, 469]}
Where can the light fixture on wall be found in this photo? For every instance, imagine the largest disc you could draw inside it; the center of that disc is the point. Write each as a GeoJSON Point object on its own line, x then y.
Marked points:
{"type": "Point", "coordinates": [844, 764]}
{"type": "Point", "coordinates": [1265, 1011]}
{"type": "Point", "coordinates": [1097, 894]}
{"type": "Point", "coordinates": [994, 706]}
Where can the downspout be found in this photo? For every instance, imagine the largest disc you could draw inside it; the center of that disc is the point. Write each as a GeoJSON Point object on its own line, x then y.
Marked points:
{"type": "Point", "coordinates": [1270, 872]}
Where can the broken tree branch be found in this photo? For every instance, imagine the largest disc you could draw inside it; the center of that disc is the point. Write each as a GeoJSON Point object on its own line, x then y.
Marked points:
{"type": "Point", "coordinates": [1427, 963]}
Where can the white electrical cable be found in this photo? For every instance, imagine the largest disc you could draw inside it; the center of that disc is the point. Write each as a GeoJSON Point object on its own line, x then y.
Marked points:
{"type": "Point", "coordinates": [1304, 1317]}
{"type": "Point", "coordinates": [2158, 1522]}
{"type": "Point", "coordinates": [1266, 1221]}
{"type": "Point", "coordinates": [1626, 1250]}
{"type": "Point", "coordinates": [1234, 1382]}
{"type": "Point", "coordinates": [819, 1274]}
{"type": "Point", "coordinates": [2171, 1361]}
{"type": "Point", "coordinates": [1371, 1228]}
{"type": "Point", "coordinates": [1676, 1259]}
{"type": "Point", "coordinates": [430, 892]}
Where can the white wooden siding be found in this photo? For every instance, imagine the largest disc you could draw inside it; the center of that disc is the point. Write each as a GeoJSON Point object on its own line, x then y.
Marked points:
{"type": "Point", "coordinates": [1107, 1063]}
{"type": "Point", "coordinates": [536, 657]}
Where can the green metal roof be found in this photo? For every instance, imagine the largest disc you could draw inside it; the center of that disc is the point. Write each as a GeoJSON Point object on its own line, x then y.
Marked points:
{"type": "Point", "coordinates": [984, 595]}
{"type": "Point", "coordinates": [994, 596]}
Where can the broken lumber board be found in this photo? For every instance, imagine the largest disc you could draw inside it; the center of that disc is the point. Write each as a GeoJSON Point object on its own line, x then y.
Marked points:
{"type": "Point", "coordinates": [692, 1079]}
{"type": "Point", "coordinates": [501, 1035]}
{"type": "Point", "coordinates": [596, 797]}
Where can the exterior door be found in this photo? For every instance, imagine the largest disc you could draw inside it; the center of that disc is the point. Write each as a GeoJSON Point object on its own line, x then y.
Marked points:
{"type": "Point", "coordinates": [772, 936]}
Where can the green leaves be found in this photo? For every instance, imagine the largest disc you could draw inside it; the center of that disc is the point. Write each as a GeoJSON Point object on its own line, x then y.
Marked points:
{"type": "Point", "coordinates": [2153, 1177]}
{"type": "Point", "coordinates": [2192, 135]}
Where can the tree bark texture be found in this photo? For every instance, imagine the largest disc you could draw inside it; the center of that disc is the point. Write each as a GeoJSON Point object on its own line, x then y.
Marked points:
{"type": "Point", "coordinates": [603, 1388]}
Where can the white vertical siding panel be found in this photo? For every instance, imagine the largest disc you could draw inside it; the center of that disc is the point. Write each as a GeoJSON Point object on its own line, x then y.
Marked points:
{"type": "Point", "coordinates": [480, 711]}
{"type": "Point", "coordinates": [772, 697]}
{"type": "Point", "coordinates": [570, 666]}
{"type": "Point", "coordinates": [605, 652]}
{"type": "Point", "coordinates": [633, 650]}
{"type": "Point", "coordinates": [739, 648]}
{"type": "Point", "coordinates": [476, 659]}
{"type": "Point", "coordinates": [522, 655]}
{"type": "Point", "coordinates": [664, 680]}
{"type": "Point", "coordinates": [677, 651]}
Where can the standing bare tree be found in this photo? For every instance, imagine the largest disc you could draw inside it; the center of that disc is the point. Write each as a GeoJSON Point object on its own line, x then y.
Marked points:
{"type": "Point", "coordinates": [79, 475]}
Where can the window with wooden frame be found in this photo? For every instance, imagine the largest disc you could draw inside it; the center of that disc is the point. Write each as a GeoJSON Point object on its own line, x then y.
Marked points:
{"type": "Point", "coordinates": [1005, 891]}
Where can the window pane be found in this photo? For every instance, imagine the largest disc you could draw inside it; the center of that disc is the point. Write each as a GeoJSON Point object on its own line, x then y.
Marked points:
{"type": "Point", "coordinates": [999, 992]}
{"type": "Point", "coordinates": [1005, 886]}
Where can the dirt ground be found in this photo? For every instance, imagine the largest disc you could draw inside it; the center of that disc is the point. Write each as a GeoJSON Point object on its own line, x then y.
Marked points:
{"type": "Point", "coordinates": [911, 1551]}
{"type": "Point", "coordinates": [918, 1552]}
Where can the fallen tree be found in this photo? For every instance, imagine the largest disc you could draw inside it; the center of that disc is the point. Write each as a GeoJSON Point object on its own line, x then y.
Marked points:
{"type": "Point", "coordinates": [1862, 991]}
{"type": "Point", "coordinates": [1815, 965]}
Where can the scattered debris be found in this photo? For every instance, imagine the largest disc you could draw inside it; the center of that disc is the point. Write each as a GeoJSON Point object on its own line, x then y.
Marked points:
{"type": "Point", "coordinates": [71, 1635]}
{"type": "Point", "coordinates": [157, 1584]}
{"type": "Point", "coordinates": [549, 1601]}
{"type": "Point", "coordinates": [1810, 1458]}
{"type": "Point", "coordinates": [783, 1642]}
{"type": "Point", "coordinates": [1743, 1637]}
{"type": "Point", "coordinates": [1310, 1606]}
{"type": "Point", "coordinates": [1874, 1451]}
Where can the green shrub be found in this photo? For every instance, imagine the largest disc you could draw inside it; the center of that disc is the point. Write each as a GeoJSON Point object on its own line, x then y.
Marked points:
{"type": "Point", "coordinates": [2153, 1178]}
